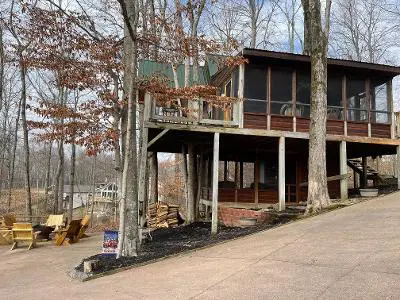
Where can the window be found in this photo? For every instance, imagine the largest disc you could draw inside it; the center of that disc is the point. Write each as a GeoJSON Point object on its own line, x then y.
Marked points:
{"type": "Point", "coordinates": [255, 89]}
{"type": "Point", "coordinates": [335, 104]}
{"type": "Point", "coordinates": [281, 91]}
{"type": "Point", "coordinates": [303, 93]}
{"type": "Point", "coordinates": [357, 102]}
{"type": "Point", "coordinates": [380, 112]}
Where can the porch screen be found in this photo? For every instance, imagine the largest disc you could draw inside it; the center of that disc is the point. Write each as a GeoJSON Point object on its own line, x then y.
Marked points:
{"type": "Point", "coordinates": [303, 93]}
{"type": "Point", "coordinates": [357, 103]}
{"type": "Point", "coordinates": [255, 89]}
{"type": "Point", "coordinates": [281, 91]}
{"type": "Point", "coordinates": [380, 109]}
{"type": "Point", "coordinates": [335, 103]}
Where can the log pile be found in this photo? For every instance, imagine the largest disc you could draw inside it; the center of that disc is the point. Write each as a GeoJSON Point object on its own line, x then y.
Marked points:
{"type": "Point", "coordinates": [162, 215]}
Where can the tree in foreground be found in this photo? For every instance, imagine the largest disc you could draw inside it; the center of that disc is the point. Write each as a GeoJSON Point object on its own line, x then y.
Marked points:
{"type": "Point", "coordinates": [316, 32]}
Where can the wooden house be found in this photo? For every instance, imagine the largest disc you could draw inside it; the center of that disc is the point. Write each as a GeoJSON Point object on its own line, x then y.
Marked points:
{"type": "Point", "coordinates": [268, 130]}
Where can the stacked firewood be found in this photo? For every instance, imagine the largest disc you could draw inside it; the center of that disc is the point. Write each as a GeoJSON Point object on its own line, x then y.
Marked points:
{"type": "Point", "coordinates": [172, 217]}
{"type": "Point", "coordinates": [162, 215]}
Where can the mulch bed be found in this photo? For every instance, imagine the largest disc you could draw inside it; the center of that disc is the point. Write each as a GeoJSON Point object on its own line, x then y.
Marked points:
{"type": "Point", "coordinates": [170, 241]}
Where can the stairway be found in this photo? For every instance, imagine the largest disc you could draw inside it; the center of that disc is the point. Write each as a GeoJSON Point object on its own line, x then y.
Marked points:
{"type": "Point", "coordinates": [356, 165]}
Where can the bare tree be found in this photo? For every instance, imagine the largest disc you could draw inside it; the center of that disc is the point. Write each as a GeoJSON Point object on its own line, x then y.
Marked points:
{"type": "Point", "coordinates": [317, 31]}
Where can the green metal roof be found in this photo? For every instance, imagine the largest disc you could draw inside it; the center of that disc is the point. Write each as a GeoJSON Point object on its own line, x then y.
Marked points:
{"type": "Point", "coordinates": [149, 67]}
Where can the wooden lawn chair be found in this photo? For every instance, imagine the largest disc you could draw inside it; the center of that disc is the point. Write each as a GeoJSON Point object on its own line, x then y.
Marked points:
{"type": "Point", "coordinates": [84, 225]}
{"type": "Point", "coordinates": [8, 220]}
{"type": "Point", "coordinates": [56, 221]}
{"type": "Point", "coordinates": [70, 234]}
{"type": "Point", "coordinates": [23, 232]}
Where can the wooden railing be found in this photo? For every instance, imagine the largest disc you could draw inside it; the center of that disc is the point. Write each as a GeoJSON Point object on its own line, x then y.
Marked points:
{"type": "Point", "coordinates": [195, 112]}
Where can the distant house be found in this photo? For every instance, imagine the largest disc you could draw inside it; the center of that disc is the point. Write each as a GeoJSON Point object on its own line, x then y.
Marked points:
{"type": "Point", "coordinates": [81, 195]}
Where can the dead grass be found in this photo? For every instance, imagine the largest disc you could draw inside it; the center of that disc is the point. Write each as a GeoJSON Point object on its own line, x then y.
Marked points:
{"type": "Point", "coordinates": [18, 198]}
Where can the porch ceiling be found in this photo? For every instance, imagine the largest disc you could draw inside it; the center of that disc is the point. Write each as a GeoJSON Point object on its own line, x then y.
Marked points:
{"type": "Point", "coordinates": [248, 147]}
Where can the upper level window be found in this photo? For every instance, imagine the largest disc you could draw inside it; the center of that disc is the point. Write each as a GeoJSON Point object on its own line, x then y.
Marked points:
{"type": "Point", "coordinates": [357, 102]}
{"type": "Point", "coordinates": [335, 103]}
{"type": "Point", "coordinates": [281, 91]}
{"type": "Point", "coordinates": [255, 89]}
{"type": "Point", "coordinates": [303, 93]}
{"type": "Point", "coordinates": [380, 109]}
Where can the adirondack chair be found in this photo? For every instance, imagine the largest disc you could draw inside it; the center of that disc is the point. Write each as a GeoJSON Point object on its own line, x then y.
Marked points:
{"type": "Point", "coordinates": [56, 221]}
{"type": "Point", "coordinates": [23, 232]}
{"type": "Point", "coordinates": [7, 221]}
{"type": "Point", "coordinates": [84, 225]}
{"type": "Point", "coordinates": [70, 234]}
{"type": "Point", "coordinates": [73, 233]}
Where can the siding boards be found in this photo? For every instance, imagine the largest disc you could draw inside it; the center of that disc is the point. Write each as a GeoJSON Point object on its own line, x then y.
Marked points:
{"type": "Point", "coordinates": [255, 121]}
{"type": "Point", "coordinates": [380, 130]}
{"type": "Point", "coordinates": [357, 129]}
{"type": "Point", "coordinates": [283, 123]}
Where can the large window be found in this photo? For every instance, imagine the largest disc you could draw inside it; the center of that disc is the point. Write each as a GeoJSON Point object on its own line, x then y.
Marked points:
{"type": "Point", "coordinates": [335, 103]}
{"type": "Point", "coordinates": [255, 89]}
{"type": "Point", "coordinates": [357, 102]}
{"type": "Point", "coordinates": [380, 109]}
{"type": "Point", "coordinates": [281, 91]}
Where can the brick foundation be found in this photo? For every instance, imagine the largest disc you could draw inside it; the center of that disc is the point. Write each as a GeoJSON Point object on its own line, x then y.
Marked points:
{"type": "Point", "coordinates": [230, 216]}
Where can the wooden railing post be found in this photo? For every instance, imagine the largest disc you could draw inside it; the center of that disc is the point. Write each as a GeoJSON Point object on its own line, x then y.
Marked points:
{"type": "Point", "coordinates": [240, 112]}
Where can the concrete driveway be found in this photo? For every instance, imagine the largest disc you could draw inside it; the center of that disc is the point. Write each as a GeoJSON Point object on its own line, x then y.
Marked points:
{"type": "Point", "coordinates": [351, 253]}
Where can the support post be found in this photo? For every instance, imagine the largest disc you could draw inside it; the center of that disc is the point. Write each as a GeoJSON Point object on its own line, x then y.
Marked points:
{"type": "Point", "coordinates": [256, 181]}
{"type": "Point", "coordinates": [398, 167]}
{"type": "Point", "coordinates": [214, 219]}
{"type": "Point", "coordinates": [241, 174]}
{"type": "Point", "coordinates": [364, 181]}
{"type": "Point", "coordinates": [143, 162]}
{"type": "Point", "coordinates": [225, 170]}
{"type": "Point", "coordinates": [240, 110]}
{"type": "Point", "coordinates": [237, 180]}
{"type": "Point", "coordinates": [343, 170]}
{"type": "Point", "coordinates": [281, 173]}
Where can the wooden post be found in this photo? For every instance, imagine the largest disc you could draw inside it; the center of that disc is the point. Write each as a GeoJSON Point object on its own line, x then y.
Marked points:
{"type": "Point", "coordinates": [298, 181]}
{"type": "Point", "coordinates": [398, 166]}
{"type": "Point", "coordinates": [241, 174]}
{"type": "Point", "coordinates": [143, 160]}
{"type": "Point", "coordinates": [214, 218]}
{"type": "Point", "coordinates": [191, 183]}
{"type": "Point", "coordinates": [355, 182]}
{"type": "Point", "coordinates": [237, 180]}
{"type": "Point", "coordinates": [369, 103]}
{"type": "Point", "coordinates": [269, 99]}
{"type": "Point", "coordinates": [225, 170]}
{"type": "Point", "coordinates": [391, 108]}
{"type": "Point", "coordinates": [364, 181]}
{"type": "Point", "coordinates": [344, 103]}
{"type": "Point", "coordinates": [294, 110]}
{"type": "Point", "coordinates": [281, 173]}
{"type": "Point", "coordinates": [256, 180]}
{"type": "Point", "coordinates": [343, 170]}
{"type": "Point", "coordinates": [241, 96]}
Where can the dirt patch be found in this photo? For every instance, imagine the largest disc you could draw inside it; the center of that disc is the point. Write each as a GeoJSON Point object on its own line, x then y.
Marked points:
{"type": "Point", "coordinates": [170, 241]}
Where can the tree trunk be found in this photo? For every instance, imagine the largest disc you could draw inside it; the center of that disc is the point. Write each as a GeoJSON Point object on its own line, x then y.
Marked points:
{"type": "Point", "coordinates": [47, 180]}
{"type": "Point", "coordinates": [28, 203]}
{"type": "Point", "coordinates": [307, 27]}
{"type": "Point", "coordinates": [128, 242]}
{"type": "Point", "coordinates": [72, 182]}
{"type": "Point", "coordinates": [13, 152]}
{"type": "Point", "coordinates": [93, 190]}
{"type": "Point", "coordinates": [318, 196]}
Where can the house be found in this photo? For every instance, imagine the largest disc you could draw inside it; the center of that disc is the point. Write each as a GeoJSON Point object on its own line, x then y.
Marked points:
{"type": "Point", "coordinates": [268, 131]}
{"type": "Point", "coordinates": [82, 193]}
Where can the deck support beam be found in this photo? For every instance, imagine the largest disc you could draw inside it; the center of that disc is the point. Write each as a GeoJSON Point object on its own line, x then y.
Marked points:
{"type": "Point", "coordinates": [398, 167]}
{"type": "Point", "coordinates": [281, 174]}
{"type": "Point", "coordinates": [364, 179]}
{"type": "Point", "coordinates": [343, 170]}
{"type": "Point", "coordinates": [214, 218]}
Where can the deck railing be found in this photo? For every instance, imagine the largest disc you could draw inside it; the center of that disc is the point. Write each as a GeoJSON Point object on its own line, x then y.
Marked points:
{"type": "Point", "coordinates": [195, 112]}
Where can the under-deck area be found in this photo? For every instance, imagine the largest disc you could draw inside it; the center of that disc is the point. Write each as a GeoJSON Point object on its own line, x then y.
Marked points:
{"type": "Point", "coordinates": [259, 171]}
